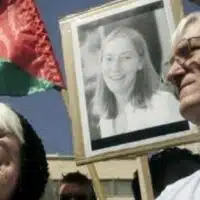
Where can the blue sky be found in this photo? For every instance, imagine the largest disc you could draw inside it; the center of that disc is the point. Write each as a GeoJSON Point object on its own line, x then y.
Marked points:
{"type": "Point", "coordinates": [46, 110]}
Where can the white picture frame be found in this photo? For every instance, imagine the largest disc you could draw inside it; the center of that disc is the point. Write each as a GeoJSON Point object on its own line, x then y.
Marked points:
{"type": "Point", "coordinates": [84, 36]}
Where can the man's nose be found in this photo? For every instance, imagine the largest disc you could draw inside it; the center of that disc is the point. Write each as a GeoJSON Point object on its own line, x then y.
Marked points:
{"type": "Point", "coordinates": [175, 71]}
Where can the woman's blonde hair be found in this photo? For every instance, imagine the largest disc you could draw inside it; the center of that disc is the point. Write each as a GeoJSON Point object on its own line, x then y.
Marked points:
{"type": "Point", "coordinates": [10, 122]}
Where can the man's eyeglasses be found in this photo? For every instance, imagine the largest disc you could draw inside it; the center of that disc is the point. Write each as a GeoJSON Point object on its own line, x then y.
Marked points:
{"type": "Point", "coordinates": [73, 197]}
{"type": "Point", "coordinates": [184, 50]}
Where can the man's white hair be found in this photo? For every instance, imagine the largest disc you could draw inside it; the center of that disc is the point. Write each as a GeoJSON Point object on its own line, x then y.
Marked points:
{"type": "Point", "coordinates": [183, 24]}
{"type": "Point", "coordinates": [10, 122]}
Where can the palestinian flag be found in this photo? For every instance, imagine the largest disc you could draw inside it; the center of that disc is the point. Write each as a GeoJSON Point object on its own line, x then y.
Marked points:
{"type": "Point", "coordinates": [27, 63]}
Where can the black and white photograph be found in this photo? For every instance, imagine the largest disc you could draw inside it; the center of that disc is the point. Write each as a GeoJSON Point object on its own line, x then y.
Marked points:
{"type": "Point", "coordinates": [121, 56]}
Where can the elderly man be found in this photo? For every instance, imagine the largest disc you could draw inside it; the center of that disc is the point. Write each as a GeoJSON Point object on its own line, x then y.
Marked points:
{"type": "Point", "coordinates": [185, 75]}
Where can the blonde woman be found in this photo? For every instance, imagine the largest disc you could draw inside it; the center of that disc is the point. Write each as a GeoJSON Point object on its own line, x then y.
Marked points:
{"type": "Point", "coordinates": [23, 165]}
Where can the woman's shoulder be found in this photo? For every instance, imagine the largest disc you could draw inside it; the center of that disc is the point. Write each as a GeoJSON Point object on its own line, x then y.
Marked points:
{"type": "Point", "coordinates": [106, 127]}
{"type": "Point", "coordinates": [164, 97]}
{"type": "Point", "coordinates": [166, 104]}
{"type": "Point", "coordinates": [163, 94]}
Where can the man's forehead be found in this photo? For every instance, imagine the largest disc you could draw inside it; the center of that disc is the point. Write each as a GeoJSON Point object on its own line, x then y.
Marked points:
{"type": "Point", "coordinates": [190, 31]}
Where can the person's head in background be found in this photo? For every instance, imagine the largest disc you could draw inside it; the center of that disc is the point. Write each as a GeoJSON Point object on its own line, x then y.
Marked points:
{"type": "Point", "coordinates": [184, 72]}
{"type": "Point", "coordinates": [166, 167]}
{"type": "Point", "coordinates": [23, 164]}
{"type": "Point", "coordinates": [126, 70]}
{"type": "Point", "coordinates": [76, 186]}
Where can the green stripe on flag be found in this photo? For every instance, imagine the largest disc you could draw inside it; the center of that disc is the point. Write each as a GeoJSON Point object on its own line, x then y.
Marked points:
{"type": "Point", "coordinates": [16, 82]}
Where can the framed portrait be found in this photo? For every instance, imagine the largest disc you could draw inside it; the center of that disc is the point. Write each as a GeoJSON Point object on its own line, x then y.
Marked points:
{"type": "Point", "coordinates": [115, 60]}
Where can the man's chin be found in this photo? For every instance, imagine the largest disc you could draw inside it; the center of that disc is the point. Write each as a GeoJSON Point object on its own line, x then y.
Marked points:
{"type": "Point", "coordinates": [191, 113]}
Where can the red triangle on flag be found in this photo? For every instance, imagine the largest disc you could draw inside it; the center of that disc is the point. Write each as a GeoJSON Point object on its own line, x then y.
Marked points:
{"type": "Point", "coordinates": [25, 42]}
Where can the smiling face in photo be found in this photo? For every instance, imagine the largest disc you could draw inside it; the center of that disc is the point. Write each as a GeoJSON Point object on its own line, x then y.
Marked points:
{"type": "Point", "coordinates": [185, 72]}
{"type": "Point", "coordinates": [120, 64]}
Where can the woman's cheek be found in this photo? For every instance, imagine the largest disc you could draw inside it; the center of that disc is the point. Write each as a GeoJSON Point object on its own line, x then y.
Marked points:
{"type": "Point", "coordinates": [8, 180]}
{"type": "Point", "coordinates": [104, 70]}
